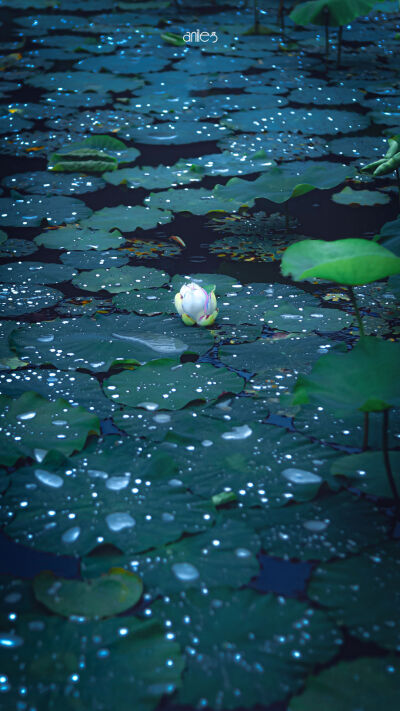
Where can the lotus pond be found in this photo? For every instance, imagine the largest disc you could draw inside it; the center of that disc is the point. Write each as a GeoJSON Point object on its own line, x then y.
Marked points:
{"type": "Point", "coordinates": [199, 516]}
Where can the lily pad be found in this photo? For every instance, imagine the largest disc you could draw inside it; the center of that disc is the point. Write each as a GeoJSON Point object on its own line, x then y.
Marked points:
{"type": "Point", "coordinates": [178, 133]}
{"type": "Point", "coordinates": [350, 261]}
{"type": "Point", "coordinates": [133, 494]}
{"type": "Point", "coordinates": [16, 299]}
{"type": "Point", "coordinates": [94, 260]}
{"type": "Point", "coordinates": [288, 317]}
{"type": "Point", "coordinates": [120, 279]}
{"type": "Point", "coordinates": [344, 588]}
{"type": "Point", "coordinates": [31, 273]}
{"type": "Point", "coordinates": [270, 637]}
{"type": "Point", "coordinates": [75, 238]}
{"type": "Point", "coordinates": [135, 657]}
{"type": "Point", "coordinates": [332, 527]}
{"type": "Point", "coordinates": [56, 425]}
{"type": "Point", "coordinates": [16, 248]}
{"type": "Point", "coordinates": [127, 218]}
{"type": "Point", "coordinates": [348, 196]}
{"type": "Point", "coordinates": [171, 385]}
{"type": "Point", "coordinates": [224, 554]}
{"type": "Point", "coordinates": [320, 121]}
{"type": "Point", "coordinates": [84, 81]}
{"type": "Point", "coordinates": [30, 211]}
{"type": "Point", "coordinates": [43, 183]}
{"type": "Point", "coordinates": [109, 595]}
{"type": "Point", "coordinates": [78, 388]}
{"type": "Point", "coordinates": [108, 340]}
{"type": "Point", "coordinates": [352, 684]}
{"type": "Point", "coordinates": [147, 301]}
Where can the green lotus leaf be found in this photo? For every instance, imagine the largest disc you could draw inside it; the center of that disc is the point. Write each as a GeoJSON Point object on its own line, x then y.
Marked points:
{"type": "Point", "coordinates": [83, 160]}
{"type": "Point", "coordinates": [32, 273]}
{"type": "Point", "coordinates": [348, 196]}
{"type": "Point", "coordinates": [31, 421]}
{"type": "Point", "coordinates": [335, 526]}
{"type": "Point", "coordinates": [140, 502]}
{"type": "Point", "coordinates": [170, 385]}
{"type": "Point", "coordinates": [344, 261]}
{"type": "Point", "coordinates": [224, 554]}
{"type": "Point", "coordinates": [344, 589]}
{"type": "Point", "coordinates": [17, 299]}
{"type": "Point", "coordinates": [351, 684]}
{"type": "Point", "coordinates": [109, 339]}
{"type": "Point", "coordinates": [83, 81]}
{"type": "Point", "coordinates": [120, 279]}
{"type": "Point", "coordinates": [323, 122]}
{"type": "Point", "coordinates": [13, 248]}
{"type": "Point", "coordinates": [334, 12]}
{"type": "Point", "coordinates": [127, 218]}
{"type": "Point", "coordinates": [75, 238]}
{"type": "Point", "coordinates": [31, 210]}
{"type": "Point", "coordinates": [107, 596]}
{"type": "Point", "coordinates": [134, 656]}
{"type": "Point", "coordinates": [365, 378]}
{"type": "Point", "coordinates": [270, 637]}
{"type": "Point", "coordinates": [288, 317]}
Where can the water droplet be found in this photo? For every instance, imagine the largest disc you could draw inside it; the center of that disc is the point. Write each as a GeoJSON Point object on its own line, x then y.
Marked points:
{"type": "Point", "coordinates": [119, 521]}
{"type": "Point", "coordinates": [10, 640]}
{"type": "Point", "coordinates": [48, 478]}
{"type": "Point", "coordinates": [26, 416]}
{"type": "Point", "coordinates": [242, 553]}
{"type": "Point", "coordinates": [115, 483]}
{"type": "Point", "coordinates": [238, 433]}
{"type": "Point", "coordinates": [71, 535]}
{"type": "Point", "coordinates": [316, 526]}
{"type": "Point", "coordinates": [39, 454]}
{"type": "Point", "coordinates": [300, 476]}
{"type": "Point", "coordinates": [185, 571]}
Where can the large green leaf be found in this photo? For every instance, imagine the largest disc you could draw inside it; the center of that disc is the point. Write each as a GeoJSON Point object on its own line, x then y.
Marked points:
{"type": "Point", "coordinates": [31, 422]}
{"type": "Point", "coordinates": [334, 12]}
{"type": "Point", "coordinates": [366, 378]}
{"type": "Point", "coordinates": [120, 279]}
{"type": "Point", "coordinates": [167, 384]}
{"type": "Point", "coordinates": [236, 659]}
{"type": "Point", "coordinates": [345, 261]}
{"type": "Point", "coordinates": [351, 685]}
{"type": "Point", "coordinates": [127, 218]}
{"type": "Point", "coordinates": [369, 611]}
{"type": "Point", "coordinates": [367, 472]}
{"type": "Point", "coordinates": [75, 238]}
{"type": "Point", "coordinates": [31, 210]}
{"type": "Point", "coordinates": [106, 596]}
{"type": "Point", "coordinates": [133, 659]}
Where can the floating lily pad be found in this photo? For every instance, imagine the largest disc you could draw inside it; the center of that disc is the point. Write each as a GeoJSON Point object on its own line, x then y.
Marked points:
{"type": "Point", "coordinates": [118, 279]}
{"type": "Point", "coordinates": [348, 196]}
{"type": "Point", "coordinates": [149, 177]}
{"type": "Point", "coordinates": [55, 425]}
{"type": "Point", "coordinates": [35, 273]}
{"type": "Point", "coordinates": [224, 554]}
{"type": "Point", "coordinates": [326, 95]}
{"type": "Point", "coordinates": [16, 248]}
{"type": "Point", "coordinates": [352, 684]}
{"type": "Point", "coordinates": [84, 81]}
{"type": "Point", "coordinates": [270, 637]}
{"type": "Point", "coordinates": [280, 145]}
{"type": "Point", "coordinates": [8, 358]}
{"type": "Point", "coordinates": [171, 385]}
{"type": "Point", "coordinates": [75, 238]}
{"type": "Point", "coordinates": [109, 339]}
{"type": "Point", "coordinates": [345, 588]}
{"type": "Point", "coordinates": [134, 655]}
{"type": "Point", "coordinates": [19, 299]}
{"type": "Point", "coordinates": [178, 133]}
{"type": "Point", "coordinates": [109, 595]}
{"type": "Point", "coordinates": [133, 495]}
{"type": "Point", "coordinates": [320, 121]}
{"type": "Point", "coordinates": [30, 211]}
{"type": "Point", "coordinates": [43, 183]}
{"type": "Point", "coordinates": [288, 317]}
{"type": "Point", "coordinates": [92, 259]}
{"type": "Point", "coordinates": [367, 472]}
{"type": "Point", "coordinates": [122, 63]}
{"type": "Point", "coordinates": [127, 218]}
{"type": "Point", "coordinates": [147, 301]}
{"type": "Point", "coordinates": [78, 388]}
{"type": "Point", "coordinates": [332, 527]}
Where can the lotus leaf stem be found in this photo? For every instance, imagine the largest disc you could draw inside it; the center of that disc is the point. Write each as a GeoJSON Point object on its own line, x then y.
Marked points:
{"type": "Point", "coordinates": [366, 431]}
{"type": "Point", "coordinates": [356, 310]}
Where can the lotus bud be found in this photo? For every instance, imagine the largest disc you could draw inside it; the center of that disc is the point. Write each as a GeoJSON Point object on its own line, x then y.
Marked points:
{"type": "Point", "coordinates": [196, 305]}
